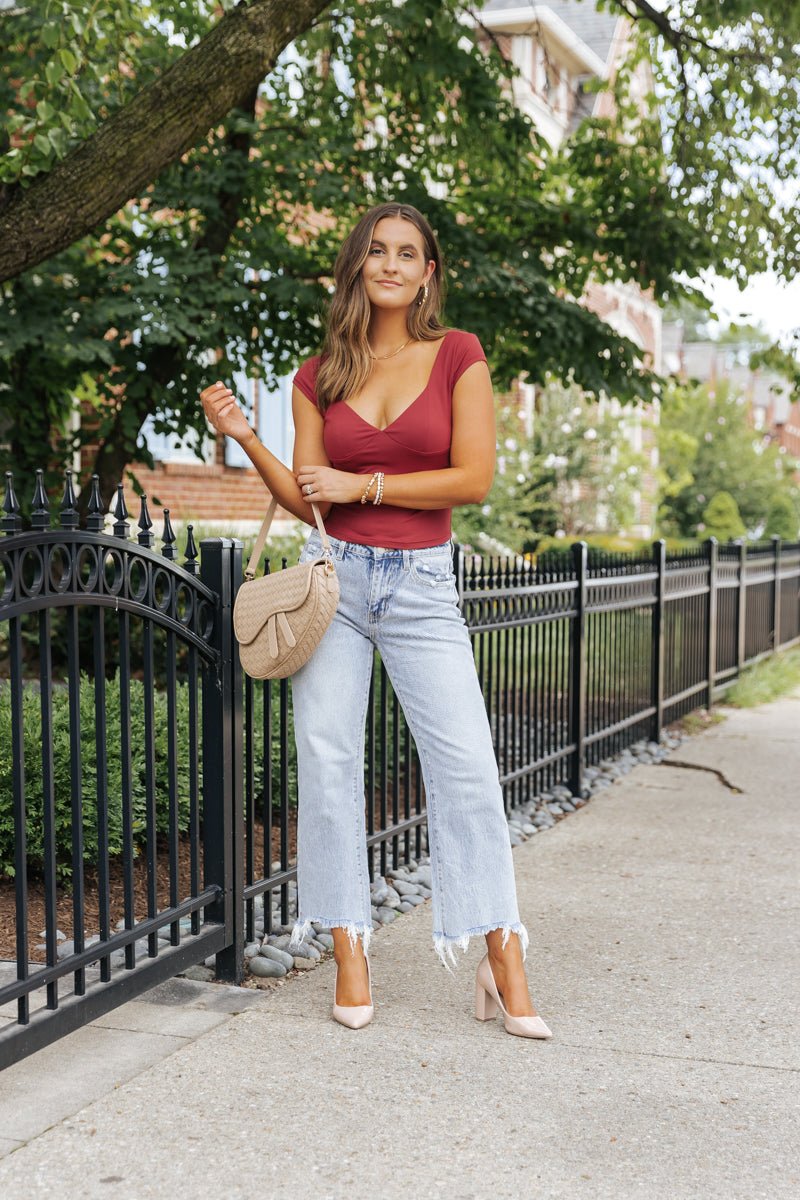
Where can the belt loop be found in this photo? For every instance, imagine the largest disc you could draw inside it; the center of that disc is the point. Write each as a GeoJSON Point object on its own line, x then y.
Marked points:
{"type": "Point", "coordinates": [406, 559]}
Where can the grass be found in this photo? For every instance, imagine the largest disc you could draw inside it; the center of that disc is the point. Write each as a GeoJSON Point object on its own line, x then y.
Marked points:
{"type": "Point", "coordinates": [767, 680]}
{"type": "Point", "coordinates": [695, 722]}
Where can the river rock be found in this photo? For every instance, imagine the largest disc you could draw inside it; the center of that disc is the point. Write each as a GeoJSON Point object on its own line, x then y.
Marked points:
{"type": "Point", "coordinates": [266, 968]}
{"type": "Point", "coordinates": [277, 955]}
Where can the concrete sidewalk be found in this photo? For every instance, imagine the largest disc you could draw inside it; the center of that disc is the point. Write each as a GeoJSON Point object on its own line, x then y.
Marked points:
{"type": "Point", "coordinates": [663, 923]}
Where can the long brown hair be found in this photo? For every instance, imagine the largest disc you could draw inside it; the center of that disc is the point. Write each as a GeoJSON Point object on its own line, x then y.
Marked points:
{"type": "Point", "coordinates": [346, 364]}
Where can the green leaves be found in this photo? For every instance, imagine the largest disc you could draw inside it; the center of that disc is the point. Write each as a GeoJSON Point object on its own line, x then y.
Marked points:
{"type": "Point", "coordinates": [61, 747]}
{"type": "Point", "coordinates": [729, 106]}
{"type": "Point", "coordinates": [707, 445]}
{"type": "Point", "coordinates": [78, 62]}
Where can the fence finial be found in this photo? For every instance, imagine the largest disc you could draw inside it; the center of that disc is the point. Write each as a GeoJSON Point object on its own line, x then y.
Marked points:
{"type": "Point", "coordinates": [12, 521]}
{"type": "Point", "coordinates": [121, 526]}
{"type": "Point", "coordinates": [145, 537]}
{"type": "Point", "coordinates": [168, 539]}
{"type": "Point", "coordinates": [40, 509]}
{"type": "Point", "coordinates": [191, 564]}
{"type": "Point", "coordinates": [68, 513]}
{"type": "Point", "coordinates": [95, 518]}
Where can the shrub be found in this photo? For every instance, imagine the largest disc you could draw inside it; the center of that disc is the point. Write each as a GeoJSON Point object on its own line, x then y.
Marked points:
{"type": "Point", "coordinates": [782, 519]}
{"type": "Point", "coordinates": [721, 518]}
{"type": "Point", "coordinates": [34, 790]}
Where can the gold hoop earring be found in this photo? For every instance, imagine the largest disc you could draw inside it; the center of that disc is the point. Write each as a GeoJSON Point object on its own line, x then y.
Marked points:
{"type": "Point", "coordinates": [424, 296]}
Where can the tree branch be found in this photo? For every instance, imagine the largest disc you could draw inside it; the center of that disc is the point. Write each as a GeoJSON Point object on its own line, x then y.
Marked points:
{"type": "Point", "coordinates": [678, 38]}
{"type": "Point", "coordinates": [112, 166]}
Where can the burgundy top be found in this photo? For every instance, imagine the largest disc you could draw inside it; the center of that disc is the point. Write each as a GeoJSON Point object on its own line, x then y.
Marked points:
{"type": "Point", "coordinates": [418, 440]}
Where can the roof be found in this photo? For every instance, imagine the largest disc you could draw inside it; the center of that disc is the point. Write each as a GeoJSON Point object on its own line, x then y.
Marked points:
{"type": "Point", "coordinates": [594, 28]}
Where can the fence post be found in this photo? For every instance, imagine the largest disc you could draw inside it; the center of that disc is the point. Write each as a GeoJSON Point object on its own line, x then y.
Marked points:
{"type": "Point", "coordinates": [458, 551]}
{"type": "Point", "coordinates": [578, 670]}
{"type": "Point", "coordinates": [776, 595]}
{"type": "Point", "coordinates": [657, 687]}
{"type": "Point", "coordinates": [741, 609]}
{"type": "Point", "coordinates": [237, 738]}
{"type": "Point", "coordinates": [219, 765]}
{"type": "Point", "coordinates": [711, 617]}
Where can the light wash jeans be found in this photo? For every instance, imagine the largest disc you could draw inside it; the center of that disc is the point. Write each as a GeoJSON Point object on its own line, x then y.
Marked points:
{"type": "Point", "coordinates": [405, 602]}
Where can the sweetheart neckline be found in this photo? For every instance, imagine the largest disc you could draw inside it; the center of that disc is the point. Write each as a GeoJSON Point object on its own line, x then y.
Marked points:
{"type": "Point", "coordinates": [385, 428]}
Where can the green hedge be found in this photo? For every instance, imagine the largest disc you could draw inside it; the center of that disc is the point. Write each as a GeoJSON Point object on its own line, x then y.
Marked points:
{"type": "Point", "coordinates": [34, 795]}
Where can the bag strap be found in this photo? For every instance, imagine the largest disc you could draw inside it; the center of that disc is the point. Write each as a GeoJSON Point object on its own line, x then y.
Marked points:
{"type": "Point", "coordinates": [250, 572]}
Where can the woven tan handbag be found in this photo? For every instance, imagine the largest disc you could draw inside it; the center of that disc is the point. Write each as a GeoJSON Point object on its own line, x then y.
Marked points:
{"type": "Point", "coordinates": [279, 619]}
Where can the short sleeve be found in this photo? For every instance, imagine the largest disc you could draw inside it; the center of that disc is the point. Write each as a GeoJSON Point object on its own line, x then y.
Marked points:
{"type": "Point", "coordinates": [468, 350]}
{"type": "Point", "coordinates": [305, 378]}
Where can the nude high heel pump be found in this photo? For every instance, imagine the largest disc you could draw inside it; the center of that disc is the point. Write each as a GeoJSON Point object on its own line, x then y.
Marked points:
{"type": "Point", "coordinates": [353, 1015]}
{"type": "Point", "coordinates": [487, 1002]}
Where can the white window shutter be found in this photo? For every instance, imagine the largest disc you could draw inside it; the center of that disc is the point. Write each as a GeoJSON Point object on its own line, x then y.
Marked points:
{"type": "Point", "coordinates": [275, 425]}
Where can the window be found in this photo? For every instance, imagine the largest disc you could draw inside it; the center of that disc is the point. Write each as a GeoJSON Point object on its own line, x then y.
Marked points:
{"type": "Point", "coordinates": [271, 413]}
{"type": "Point", "coordinates": [168, 447]}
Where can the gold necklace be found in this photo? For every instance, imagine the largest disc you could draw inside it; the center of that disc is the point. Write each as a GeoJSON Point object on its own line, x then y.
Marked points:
{"type": "Point", "coordinates": [397, 351]}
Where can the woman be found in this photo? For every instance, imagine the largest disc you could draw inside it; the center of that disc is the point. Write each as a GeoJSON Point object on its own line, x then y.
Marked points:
{"type": "Point", "coordinates": [394, 426]}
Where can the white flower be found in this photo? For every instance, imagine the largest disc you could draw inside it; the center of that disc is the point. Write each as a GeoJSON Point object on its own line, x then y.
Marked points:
{"type": "Point", "coordinates": [486, 509]}
{"type": "Point", "coordinates": [590, 435]}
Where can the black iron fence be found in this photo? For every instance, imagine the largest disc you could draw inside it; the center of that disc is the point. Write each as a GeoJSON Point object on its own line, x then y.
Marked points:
{"type": "Point", "coordinates": [147, 789]}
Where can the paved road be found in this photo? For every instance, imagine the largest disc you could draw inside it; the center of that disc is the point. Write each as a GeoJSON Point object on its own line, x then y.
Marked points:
{"type": "Point", "coordinates": [663, 922]}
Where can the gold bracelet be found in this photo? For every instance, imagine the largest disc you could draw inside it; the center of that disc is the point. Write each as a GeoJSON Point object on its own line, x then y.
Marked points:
{"type": "Point", "coordinates": [379, 492]}
{"type": "Point", "coordinates": [366, 491]}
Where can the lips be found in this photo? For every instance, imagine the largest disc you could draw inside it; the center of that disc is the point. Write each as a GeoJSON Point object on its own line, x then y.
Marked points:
{"type": "Point", "coordinates": [388, 283]}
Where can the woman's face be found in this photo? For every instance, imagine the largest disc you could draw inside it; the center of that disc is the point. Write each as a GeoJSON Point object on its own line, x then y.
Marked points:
{"type": "Point", "coordinates": [397, 255]}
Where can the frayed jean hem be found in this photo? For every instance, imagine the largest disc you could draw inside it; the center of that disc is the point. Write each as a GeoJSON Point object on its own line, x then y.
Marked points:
{"type": "Point", "coordinates": [443, 943]}
{"type": "Point", "coordinates": [354, 929]}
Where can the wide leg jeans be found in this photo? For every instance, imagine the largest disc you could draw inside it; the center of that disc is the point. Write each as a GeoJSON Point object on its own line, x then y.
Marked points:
{"type": "Point", "coordinates": [405, 602]}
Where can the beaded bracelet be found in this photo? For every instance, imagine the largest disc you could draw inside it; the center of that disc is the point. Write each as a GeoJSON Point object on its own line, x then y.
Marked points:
{"type": "Point", "coordinates": [379, 492]}
{"type": "Point", "coordinates": [366, 491]}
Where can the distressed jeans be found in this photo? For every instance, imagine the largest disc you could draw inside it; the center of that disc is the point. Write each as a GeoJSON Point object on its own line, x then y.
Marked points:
{"type": "Point", "coordinates": [405, 602]}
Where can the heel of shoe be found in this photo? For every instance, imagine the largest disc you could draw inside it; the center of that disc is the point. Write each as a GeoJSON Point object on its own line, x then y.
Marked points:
{"type": "Point", "coordinates": [485, 1005]}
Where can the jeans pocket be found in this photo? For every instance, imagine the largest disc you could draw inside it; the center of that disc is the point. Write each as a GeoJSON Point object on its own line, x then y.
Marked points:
{"type": "Point", "coordinates": [433, 571]}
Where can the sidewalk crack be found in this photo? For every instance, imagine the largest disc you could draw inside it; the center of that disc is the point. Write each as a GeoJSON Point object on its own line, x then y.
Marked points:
{"type": "Point", "coordinates": [676, 762]}
{"type": "Point", "coordinates": [788, 1069]}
